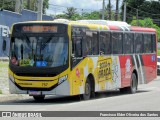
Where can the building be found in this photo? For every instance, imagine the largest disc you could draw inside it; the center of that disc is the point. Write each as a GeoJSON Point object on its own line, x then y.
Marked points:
{"type": "Point", "coordinates": [7, 18]}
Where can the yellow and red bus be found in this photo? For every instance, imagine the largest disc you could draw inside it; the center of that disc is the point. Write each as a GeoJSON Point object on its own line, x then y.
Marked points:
{"type": "Point", "coordinates": [77, 58]}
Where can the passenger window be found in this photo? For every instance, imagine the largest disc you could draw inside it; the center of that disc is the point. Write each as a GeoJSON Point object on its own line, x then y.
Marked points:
{"type": "Point", "coordinates": [87, 44]}
{"type": "Point", "coordinates": [105, 43]}
{"type": "Point", "coordinates": [128, 43]}
{"type": "Point", "coordinates": [77, 46]}
{"type": "Point", "coordinates": [117, 43]}
{"type": "Point", "coordinates": [138, 43]}
{"type": "Point", "coordinates": [154, 46]}
{"type": "Point", "coordinates": [147, 43]}
{"type": "Point", "coordinates": [95, 44]}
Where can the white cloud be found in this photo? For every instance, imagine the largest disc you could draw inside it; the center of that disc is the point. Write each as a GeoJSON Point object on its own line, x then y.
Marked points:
{"type": "Point", "coordinates": [86, 5]}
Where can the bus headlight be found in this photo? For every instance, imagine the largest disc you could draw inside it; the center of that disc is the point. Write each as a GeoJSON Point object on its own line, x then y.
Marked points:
{"type": "Point", "coordinates": [11, 78]}
{"type": "Point", "coordinates": [62, 79]}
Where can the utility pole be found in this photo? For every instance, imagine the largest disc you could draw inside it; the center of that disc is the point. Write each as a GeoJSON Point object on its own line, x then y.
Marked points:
{"type": "Point", "coordinates": [21, 4]}
{"type": "Point", "coordinates": [18, 6]}
{"type": "Point", "coordinates": [137, 17]}
{"type": "Point", "coordinates": [40, 8]}
{"type": "Point", "coordinates": [103, 5]}
{"type": "Point", "coordinates": [124, 12]}
{"type": "Point", "coordinates": [109, 9]}
{"type": "Point", "coordinates": [117, 7]}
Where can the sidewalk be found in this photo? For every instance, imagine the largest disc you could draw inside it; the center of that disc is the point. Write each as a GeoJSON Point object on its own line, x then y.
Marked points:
{"type": "Point", "coordinates": [8, 97]}
{"type": "Point", "coordinates": [4, 84]}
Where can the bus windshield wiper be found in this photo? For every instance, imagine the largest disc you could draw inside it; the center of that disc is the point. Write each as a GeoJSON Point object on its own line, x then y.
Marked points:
{"type": "Point", "coordinates": [44, 44]}
{"type": "Point", "coordinates": [26, 38]}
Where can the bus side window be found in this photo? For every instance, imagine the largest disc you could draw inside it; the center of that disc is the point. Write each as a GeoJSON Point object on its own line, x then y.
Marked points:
{"type": "Point", "coordinates": [147, 43]}
{"type": "Point", "coordinates": [102, 44]}
{"type": "Point", "coordinates": [117, 43]}
{"type": "Point", "coordinates": [154, 43]}
{"type": "Point", "coordinates": [77, 46]}
{"type": "Point", "coordinates": [95, 44]}
{"type": "Point", "coordinates": [105, 43]}
{"type": "Point", "coordinates": [128, 43]}
{"type": "Point", "coordinates": [87, 44]}
{"type": "Point", "coordinates": [138, 43]}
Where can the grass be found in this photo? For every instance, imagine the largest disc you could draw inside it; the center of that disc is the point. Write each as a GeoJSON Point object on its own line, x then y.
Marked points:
{"type": "Point", "coordinates": [3, 64]}
{"type": "Point", "coordinates": [158, 52]}
{"type": "Point", "coordinates": [3, 70]}
{"type": "Point", "coordinates": [4, 77]}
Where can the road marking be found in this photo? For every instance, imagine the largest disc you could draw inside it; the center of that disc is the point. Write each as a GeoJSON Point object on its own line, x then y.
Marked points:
{"type": "Point", "coordinates": [40, 110]}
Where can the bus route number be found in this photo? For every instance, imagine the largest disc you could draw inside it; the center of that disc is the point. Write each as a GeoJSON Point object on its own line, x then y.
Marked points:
{"type": "Point", "coordinates": [44, 84]}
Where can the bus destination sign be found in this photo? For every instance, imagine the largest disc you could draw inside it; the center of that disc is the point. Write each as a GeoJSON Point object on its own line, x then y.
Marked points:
{"type": "Point", "coordinates": [40, 29]}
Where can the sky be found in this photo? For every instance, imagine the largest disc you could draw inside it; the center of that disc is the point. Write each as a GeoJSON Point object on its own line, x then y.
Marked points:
{"type": "Point", "coordinates": [58, 6]}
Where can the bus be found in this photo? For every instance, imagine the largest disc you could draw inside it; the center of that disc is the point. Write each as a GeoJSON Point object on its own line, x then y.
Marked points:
{"type": "Point", "coordinates": [69, 58]}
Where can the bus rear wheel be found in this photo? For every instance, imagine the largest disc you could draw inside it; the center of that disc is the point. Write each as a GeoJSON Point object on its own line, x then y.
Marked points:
{"type": "Point", "coordinates": [134, 84]}
{"type": "Point", "coordinates": [87, 90]}
{"type": "Point", "coordinates": [39, 98]}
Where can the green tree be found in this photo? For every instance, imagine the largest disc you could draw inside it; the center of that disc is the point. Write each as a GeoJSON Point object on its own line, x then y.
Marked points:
{"type": "Point", "coordinates": [142, 9]}
{"type": "Point", "coordinates": [76, 16]}
{"type": "Point", "coordinates": [27, 4]}
{"type": "Point", "coordinates": [60, 16]}
{"type": "Point", "coordinates": [7, 5]}
{"type": "Point", "coordinates": [45, 5]}
{"type": "Point", "coordinates": [93, 15]}
{"type": "Point", "coordinates": [70, 12]}
{"type": "Point", "coordinates": [32, 5]}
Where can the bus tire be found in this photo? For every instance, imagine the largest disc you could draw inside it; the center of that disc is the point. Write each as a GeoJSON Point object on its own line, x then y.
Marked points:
{"type": "Point", "coordinates": [133, 87]}
{"type": "Point", "coordinates": [87, 90]}
{"type": "Point", "coordinates": [39, 98]}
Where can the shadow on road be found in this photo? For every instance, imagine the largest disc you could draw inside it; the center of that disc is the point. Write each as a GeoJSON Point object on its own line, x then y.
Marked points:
{"type": "Point", "coordinates": [65, 100]}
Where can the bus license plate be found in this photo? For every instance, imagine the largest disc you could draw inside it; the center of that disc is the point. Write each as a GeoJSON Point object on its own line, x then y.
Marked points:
{"type": "Point", "coordinates": [31, 92]}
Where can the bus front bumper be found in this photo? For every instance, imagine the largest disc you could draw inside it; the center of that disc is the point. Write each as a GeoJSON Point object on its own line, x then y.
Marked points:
{"type": "Point", "coordinates": [61, 89]}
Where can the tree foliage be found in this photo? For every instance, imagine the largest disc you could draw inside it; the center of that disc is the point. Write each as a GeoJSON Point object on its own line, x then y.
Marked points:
{"type": "Point", "coordinates": [27, 4]}
{"type": "Point", "coordinates": [70, 12]}
{"type": "Point", "coordinates": [7, 5]}
{"type": "Point", "coordinates": [32, 5]}
{"type": "Point", "coordinates": [142, 8]}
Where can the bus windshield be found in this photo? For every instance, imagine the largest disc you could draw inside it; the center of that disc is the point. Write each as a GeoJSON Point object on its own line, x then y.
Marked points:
{"type": "Point", "coordinates": [39, 51]}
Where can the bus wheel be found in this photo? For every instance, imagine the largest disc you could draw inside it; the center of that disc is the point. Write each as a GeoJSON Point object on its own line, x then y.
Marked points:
{"type": "Point", "coordinates": [87, 92]}
{"type": "Point", "coordinates": [133, 87]}
{"type": "Point", "coordinates": [39, 98]}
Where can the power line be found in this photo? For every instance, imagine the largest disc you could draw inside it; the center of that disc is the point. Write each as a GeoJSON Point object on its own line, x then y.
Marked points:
{"type": "Point", "coordinates": [74, 7]}
{"type": "Point", "coordinates": [141, 10]}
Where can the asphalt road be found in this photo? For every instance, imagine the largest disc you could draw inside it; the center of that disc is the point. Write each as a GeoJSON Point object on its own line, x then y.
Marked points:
{"type": "Point", "coordinates": [147, 98]}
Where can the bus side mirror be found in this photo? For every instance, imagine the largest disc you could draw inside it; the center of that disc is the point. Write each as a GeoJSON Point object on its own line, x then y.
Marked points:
{"type": "Point", "coordinates": [4, 45]}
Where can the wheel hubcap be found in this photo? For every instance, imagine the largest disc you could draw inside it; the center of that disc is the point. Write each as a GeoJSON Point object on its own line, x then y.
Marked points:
{"type": "Point", "coordinates": [87, 89]}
